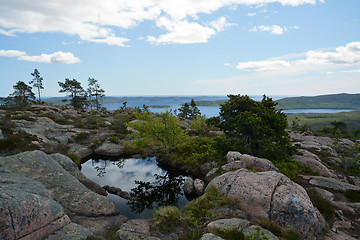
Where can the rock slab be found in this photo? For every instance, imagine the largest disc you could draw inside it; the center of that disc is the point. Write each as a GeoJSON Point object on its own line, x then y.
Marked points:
{"type": "Point", "coordinates": [273, 196]}
{"type": "Point", "coordinates": [62, 186]}
{"type": "Point", "coordinates": [28, 212]}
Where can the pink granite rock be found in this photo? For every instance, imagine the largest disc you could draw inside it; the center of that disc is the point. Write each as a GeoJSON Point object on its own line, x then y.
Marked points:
{"type": "Point", "coordinates": [273, 196]}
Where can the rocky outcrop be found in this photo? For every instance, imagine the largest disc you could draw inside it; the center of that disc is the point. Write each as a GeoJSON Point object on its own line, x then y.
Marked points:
{"type": "Point", "coordinates": [62, 186]}
{"type": "Point", "coordinates": [28, 212]}
{"type": "Point", "coordinates": [273, 196]}
{"type": "Point", "coordinates": [135, 229]}
{"type": "Point", "coordinates": [110, 149]}
{"type": "Point", "coordinates": [326, 144]}
{"type": "Point", "coordinates": [72, 168]}
{"type": "Point", "coordinates": [81, 150]}
{"type": "Point", "coordinates": [250, 162]}
{"type": "Point", "coordinates": [250, 231]}
{"type": "Point", "coordinates": [331, 183]}
{"type": "Point", "coordinates": [311, 160]}
{"type": "Point", "coordinates": [46, 130]}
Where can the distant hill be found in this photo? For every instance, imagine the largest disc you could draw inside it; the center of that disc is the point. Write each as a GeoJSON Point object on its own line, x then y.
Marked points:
{"type": "Point", "coordinates": [335, 101]}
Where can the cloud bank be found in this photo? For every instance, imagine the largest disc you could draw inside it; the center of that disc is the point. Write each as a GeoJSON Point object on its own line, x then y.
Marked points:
{"type": "Point", "coordinates": [56, 57]}
{"type": "Point", "coordinates": [347, 55]}
{"type": "Point", "coordinates": [98, 21]}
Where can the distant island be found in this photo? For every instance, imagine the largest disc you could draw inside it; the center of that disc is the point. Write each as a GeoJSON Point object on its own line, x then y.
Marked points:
{"type": "Point", "coordinates": [330, 101]}
{"type": "Point", "coordinates": [334, 101]}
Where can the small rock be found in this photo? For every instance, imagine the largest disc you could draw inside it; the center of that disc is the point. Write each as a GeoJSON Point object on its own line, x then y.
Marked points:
{"type": "Point", "coordinates": [210, 236]}
{"type": "Point", "coordinates": [199, 187]}
{"type": "Point", "coordinates": [189, 186]}
{"type": "Point", "coordinates": [347, 210]}
{"type": "Point", "coordinates": [256, 232]}
{"type": "Point", "coordinates": [210, 173]}
{"type": "Point", "coordinates": [236, 223]}
{"type": "Point", "coordinates": [233, 156]}
{"type": "Point", "coordinates": [325, 194]}
{"type": "Point", "coordinates": [205, 168]}
{"type": "Point", "coordinates": [235, 165]}
{"type": "Point", "coordinates": [117, 191]}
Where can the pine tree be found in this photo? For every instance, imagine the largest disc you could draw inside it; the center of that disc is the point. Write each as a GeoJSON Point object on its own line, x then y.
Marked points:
{"type": "Point", "coordinates": [94, 90]}
{"type": "Point", "coordinates": [75, 90]}
{"type": "Point", "coordinates": [37, 82]}
{"type": "Point", "coordinates": [194, 110]}
{"type": "Point", "coordinates": [184, 111]}
{"type": "Point", "coordinates": [22, 94]}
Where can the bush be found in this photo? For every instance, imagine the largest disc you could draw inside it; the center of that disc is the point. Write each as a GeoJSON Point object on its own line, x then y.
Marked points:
{"type": "Point", "coordinates": [279, 231]}
{"type": "Point", "coordinates": [228, 233]}
{"type": "Point", "coordinates": [352, 195]}
{"type": "Point", "coordinates": [323, 205]}
{"type": "Point", "coordinates": [256, 128]}
{"type": "Point", "coordinates": [75, 158]}
{"type": "Point", "coordinates": [166, 218]}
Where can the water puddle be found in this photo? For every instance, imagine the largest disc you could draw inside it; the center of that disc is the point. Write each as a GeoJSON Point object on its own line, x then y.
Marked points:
{"type": "Point", "coordinates": [149, 185]}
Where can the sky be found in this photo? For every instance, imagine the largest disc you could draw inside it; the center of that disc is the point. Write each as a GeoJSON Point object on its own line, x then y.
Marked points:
{"type": "Point", "coordinates": [183, 47]}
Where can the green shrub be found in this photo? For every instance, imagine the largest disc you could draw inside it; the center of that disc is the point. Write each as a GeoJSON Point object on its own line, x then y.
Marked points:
{"type": "Point", "coordinates": [292, 169]}
{"type": "Point", "coordinates": [228, 233]}
{"type": "Point", "coordinates": [194, 234]}
{"type": "Point", "coordinates": [291, 234]}
{"type": "Point", "coordinates": [202, 209]}
{"type": "Point", "coordinates": [279, 231]}
{"type": "Point", "coordinates": [75, 158]}
{"type": "Point", "coordinates": [323, 205]}
{"type": "Point", "coordinates": [352, 195]}
{"type": "Point", "coordinates": [82, 136]}
{"type": "Point", "coordinates": [96, 143]}
{"type": "Point", "coordinates": [166, 218]}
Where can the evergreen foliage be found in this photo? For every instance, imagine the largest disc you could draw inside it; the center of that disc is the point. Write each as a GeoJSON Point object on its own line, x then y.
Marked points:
{"type": "Point", "coordinates": [252, 127]}
{"type": "Point", "coordinates": [75, 90]}
{"type": "Point", "coordinates": [94, 93]}
{"type": "Point", "coordinates": [189, 111]}
{"type": "Point", "coordinates": [37, 82]}
{"type": "Point", "coordinates": [21, 96]}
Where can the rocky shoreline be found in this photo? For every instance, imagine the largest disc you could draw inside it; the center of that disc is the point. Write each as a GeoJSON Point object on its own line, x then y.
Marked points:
{"type": "Point", "coordinates": [43, 195]}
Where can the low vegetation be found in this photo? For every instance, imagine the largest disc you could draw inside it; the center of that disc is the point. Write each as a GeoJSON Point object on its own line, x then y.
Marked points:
{"type": "Point", "coordinates": [323, 205]}
{"type": "Point", "coordinates": [193, 219]}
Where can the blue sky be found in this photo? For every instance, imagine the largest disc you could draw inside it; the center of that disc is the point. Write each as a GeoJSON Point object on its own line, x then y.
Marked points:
{"type": "Point", "coordinates": [183, 47]}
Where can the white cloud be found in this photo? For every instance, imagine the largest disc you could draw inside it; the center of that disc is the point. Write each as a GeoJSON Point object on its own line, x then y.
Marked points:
{"type": "Point", "coordinates": [182, 32]}
{"type": "Point", "coordinates": [262, 65]}
{"type": "Point", "coordinates": [347, 55]}
{"type": "Point", "coordinates": [56, 57]}
{"type": "Point", "coordinates": [274, 29]}
{"type": "Point", "coordinates": [251, 14]}
{"type": "Point", "coordinates": [99, 21]}
{"type": "Point", "coordinates": [112, 41]}
{"type": "Point", "coordinates": [352, 71]}
{"type": "Point", "coordinates": [6, 33]}
{"type": "Point", "coordinates": [227, 64]}
{"type": "Point", "coordinates": [11, 53]}
{"type": "Point", "coordinates": [220, 24]}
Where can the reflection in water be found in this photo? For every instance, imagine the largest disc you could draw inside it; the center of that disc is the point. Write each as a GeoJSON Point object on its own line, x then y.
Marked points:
{"type": "Point", "coordinates": [150, 185]}
{"type": "Point", "coordinates": [100, 166]}
{"type": "Point", "coordinates": [164, 191]}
